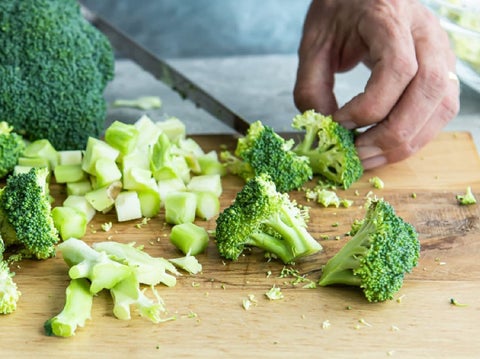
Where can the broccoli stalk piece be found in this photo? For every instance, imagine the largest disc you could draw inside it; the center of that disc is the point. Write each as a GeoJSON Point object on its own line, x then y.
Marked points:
{"type": "Point", "coordinates": [127, 293]}
{"type": "Point", "coordinates": [9, 293]}
{"type": "Point", "coordinates": [26, 215]}
{"type": "Point", "coordinates": [56, 65]}
{"type": "Point", "coordinates": [85, 262]}
{"type": "Point", "coordinates": [382, 250]}
{"type": "Point", "coordinates": [77, 310]}
{"type": "Point", "coordinates": [329, 147]}
{"type": "Point", "coordinates": [264, 151]}
{"type": "Point", "coordinates": [148, 270]}
{"type": "Point", "coordinates": [11, 147]}
{"type": "Point", "coordinates": [262, 217]}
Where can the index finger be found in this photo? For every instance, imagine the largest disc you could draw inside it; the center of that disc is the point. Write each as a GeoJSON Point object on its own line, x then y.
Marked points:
{"type": "Point", "coordinates": [391, 53]}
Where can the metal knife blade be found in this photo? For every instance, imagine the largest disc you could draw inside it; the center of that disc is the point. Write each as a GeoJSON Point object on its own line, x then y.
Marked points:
{"type": "Point", "coordinates": [166, 73]}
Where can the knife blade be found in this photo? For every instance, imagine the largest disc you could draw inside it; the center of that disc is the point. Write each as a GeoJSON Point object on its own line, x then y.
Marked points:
{"type": "Point", "coordinates": [166, 73]}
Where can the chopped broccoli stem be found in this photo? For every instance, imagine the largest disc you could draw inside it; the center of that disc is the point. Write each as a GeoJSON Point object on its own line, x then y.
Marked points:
{"type": "Point", "coordinates": [103, 199]}
{"type": "Point", "coordinates": [97, 149]}
{"type": "Point", "coordinates": [85, 262]}
{"type": "Point", "coordinates": [107, 172]}
{"type": "Point", "coordinates": [180, 207]}
{"type": "Point", "coordinates": [70, 157]}
{"type": "Point", "coordinates": [189, 238]}
{"type": "Point", "coordinates": [127, 206]}
{"type": "Point", "coordinates": [79, 188]}
{"type": "Point", "coordinates": [208, 205]}
{"type": "Point", "coordinates": [206, 183]}
{"type": "Point", "coordinates": [150, 203]}
{"type": "Point", "coordinates": [122, 136]}
{"type": "Point", "coordinates": [69, 221]}
{"type": "Point", "coordinates": [69, 173]}
{"type": "Point", "coordinates": [173, 128]}
{"type": "Point", "coordinates": [127, 293]}
{"type": "Point", "coordinates": [142, 103]}
{"type": "Point", "coordinates": [148, 270]}
{"type": "Point", "coordinates": [77, 310]}
{"type": "Point", "coordinates": [188, 263]}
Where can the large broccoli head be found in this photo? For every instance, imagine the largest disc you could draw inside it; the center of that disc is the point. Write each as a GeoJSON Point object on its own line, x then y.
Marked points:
{"type": "Point", "coordinates": [54, 67]}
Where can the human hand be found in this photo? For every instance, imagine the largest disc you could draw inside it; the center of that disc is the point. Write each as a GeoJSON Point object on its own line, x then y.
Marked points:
{"type": "Point", "coordinates": [411, 93]}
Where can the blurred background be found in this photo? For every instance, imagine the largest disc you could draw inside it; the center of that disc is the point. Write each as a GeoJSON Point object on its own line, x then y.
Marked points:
{"type": "Point", "coordinates": [244, 52]}
{"type": "Point", "coordinates": [205, 28]}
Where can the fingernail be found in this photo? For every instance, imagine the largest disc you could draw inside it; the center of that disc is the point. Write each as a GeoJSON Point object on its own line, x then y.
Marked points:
{"type": "Point", "coordinates": [374, 162]}
{"type": "Point", "coordinates": [366, 152]}
{"type": "Point", "coordinates": [349, 124]}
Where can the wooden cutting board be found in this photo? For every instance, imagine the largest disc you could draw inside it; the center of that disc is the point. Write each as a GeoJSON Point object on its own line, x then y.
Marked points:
{"type": "Point", "coordinates": [211, 321]}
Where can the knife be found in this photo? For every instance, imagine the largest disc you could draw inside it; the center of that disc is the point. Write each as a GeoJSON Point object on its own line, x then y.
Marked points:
{"type": "Point", "coordinates": [166, 73]}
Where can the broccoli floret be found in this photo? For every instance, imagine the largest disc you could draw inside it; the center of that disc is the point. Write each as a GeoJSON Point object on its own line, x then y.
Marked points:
{"type": "Point", "coordinates": [9, 293]}
{"type": "Point", "coordinates": [54, 67]}
{"type": "Point", "coordinates": [26, 214]}
{"type": "Point", "coordinates": [11, 147]}
{"type": "Point", "coordinates": [330, 148]}
{"type": "Point", "coordinates": [467, 198]}
{"type": "Point", "coordinates": [382, 250]}
{"type": "Point", "coordinates": [262, 217]}
{"type": "Point", "coordinates": [77, 310]}
{"type": "Point", "coordinates": [262, 150]}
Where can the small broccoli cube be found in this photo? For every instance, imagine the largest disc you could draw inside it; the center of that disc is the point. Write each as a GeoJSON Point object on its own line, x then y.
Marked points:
{"type": "Point", "coordinates": [189, 238]}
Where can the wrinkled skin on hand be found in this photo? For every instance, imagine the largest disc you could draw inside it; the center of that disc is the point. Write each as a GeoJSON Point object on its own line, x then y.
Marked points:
{"type": "Point", "coordinates": [409, 96]}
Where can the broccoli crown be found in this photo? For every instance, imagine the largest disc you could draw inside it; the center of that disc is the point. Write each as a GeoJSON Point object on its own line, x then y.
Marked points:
{"type": "Point", "coordinates": [382, 250]}
{"type": "Point", "coordinates": [26, 211]}
{"type": "Point", "coordinates": [330, 148]}
{"type": "Point", "coordinates": [262, 217]}
{"type": "Point", "coordinates": [54, 67]}
{"type": "Point", "coordinates": [267, 152]}
{"type": "Point", "coordinates": [11, 147]}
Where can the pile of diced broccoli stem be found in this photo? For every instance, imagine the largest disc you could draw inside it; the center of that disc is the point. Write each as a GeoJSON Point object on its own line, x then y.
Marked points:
{"type": "Point", "coordinates": [148, 168]}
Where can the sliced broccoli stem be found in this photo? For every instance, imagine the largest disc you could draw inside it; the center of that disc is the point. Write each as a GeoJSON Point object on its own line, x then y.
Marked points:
{"type": "Point", "coordinates": [340, 268]}
{"type": "Point", "coordinates": [296, 240]}
{"type": "Point", "coordinates": [77, 309]}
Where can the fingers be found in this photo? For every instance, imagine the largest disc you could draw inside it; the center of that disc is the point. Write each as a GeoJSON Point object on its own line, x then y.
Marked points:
{"type": "Point", "coordinates": [373, 155]}
{"type": "Point", "coordinates": [314, 85]}
{"type": "Point", "coordinates": [315, 76]}
{"type": "Point", "coordinates": [393, 63]}
{"type": "Point", "coordinates": [427, 104]}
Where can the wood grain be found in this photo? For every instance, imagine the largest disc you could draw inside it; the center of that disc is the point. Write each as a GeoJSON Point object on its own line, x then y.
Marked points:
{"type": "Point", "coordinates": [211, 321]}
